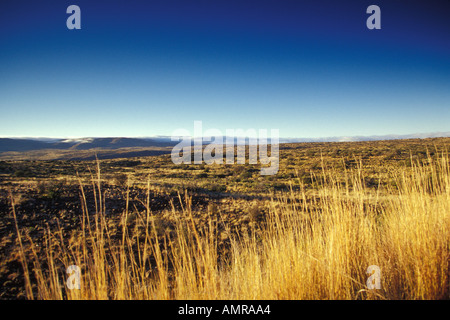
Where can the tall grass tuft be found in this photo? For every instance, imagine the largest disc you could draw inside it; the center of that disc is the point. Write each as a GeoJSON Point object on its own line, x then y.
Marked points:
{"type": "Point", "coordinates": [312, 245]}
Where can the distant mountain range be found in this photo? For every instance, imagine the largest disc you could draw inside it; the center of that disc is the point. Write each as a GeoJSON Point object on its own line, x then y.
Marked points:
{"type": "Point", "coordinates": [33, 144]}
{"type": "Point", "coordinates": [369, 138]}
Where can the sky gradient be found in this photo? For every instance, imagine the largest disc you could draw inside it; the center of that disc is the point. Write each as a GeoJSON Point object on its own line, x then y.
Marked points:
{"type": "Point", "coordinates": [145, 68]}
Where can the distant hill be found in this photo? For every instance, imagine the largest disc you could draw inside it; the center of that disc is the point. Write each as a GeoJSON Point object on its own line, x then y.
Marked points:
{"type": "Point", "coordinates": [110, 148]}
{"type": "Point", "coordinates": [20, 145]}
{"type": "Point", "coordinates": [8, 144]}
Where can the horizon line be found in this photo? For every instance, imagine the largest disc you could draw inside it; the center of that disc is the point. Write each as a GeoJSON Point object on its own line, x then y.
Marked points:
{"type": "Point", "coordinates": [437, 134]}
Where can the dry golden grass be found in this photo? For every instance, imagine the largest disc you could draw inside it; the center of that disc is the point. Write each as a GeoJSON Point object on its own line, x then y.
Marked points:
{"type": "Point", "coordinates": [313, 245]}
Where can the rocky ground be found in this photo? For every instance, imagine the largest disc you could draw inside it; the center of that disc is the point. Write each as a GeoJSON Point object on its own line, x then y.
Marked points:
{"type": "Point", "coordinates": [38, 211]}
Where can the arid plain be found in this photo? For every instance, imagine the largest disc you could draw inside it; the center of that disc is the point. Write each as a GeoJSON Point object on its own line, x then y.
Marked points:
{"type": "Point", "coordinates": [141, 227]}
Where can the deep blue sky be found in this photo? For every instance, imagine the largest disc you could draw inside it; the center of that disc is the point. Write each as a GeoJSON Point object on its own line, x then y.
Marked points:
{"type": "Point", "coordinates": [143, 68]}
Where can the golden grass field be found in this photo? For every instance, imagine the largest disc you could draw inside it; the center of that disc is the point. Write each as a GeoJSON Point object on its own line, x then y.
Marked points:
{"type": "Point", "coordinates": [143, 228]}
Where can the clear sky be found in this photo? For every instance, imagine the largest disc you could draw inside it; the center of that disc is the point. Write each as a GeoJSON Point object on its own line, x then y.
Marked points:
{"type": "Point", "coordinates": [144, 68]}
